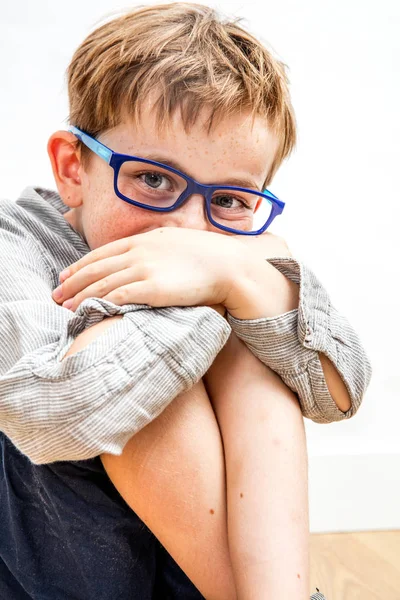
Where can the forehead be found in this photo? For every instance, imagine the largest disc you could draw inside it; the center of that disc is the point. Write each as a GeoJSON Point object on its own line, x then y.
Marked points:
{"type": "Point", "coordinates": [236, 146]}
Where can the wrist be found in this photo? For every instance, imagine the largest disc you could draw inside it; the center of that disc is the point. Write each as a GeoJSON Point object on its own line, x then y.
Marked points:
{"type": "Point", "coordinates": [260, 290]}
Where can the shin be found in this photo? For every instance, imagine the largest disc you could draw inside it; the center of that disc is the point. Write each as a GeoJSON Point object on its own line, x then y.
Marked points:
{"type": "Point", "coordinates": [267, 475]}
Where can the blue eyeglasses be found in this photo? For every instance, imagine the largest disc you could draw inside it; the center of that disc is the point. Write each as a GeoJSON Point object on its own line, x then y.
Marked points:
{"type": "Point", "coordinates": [158, 187]}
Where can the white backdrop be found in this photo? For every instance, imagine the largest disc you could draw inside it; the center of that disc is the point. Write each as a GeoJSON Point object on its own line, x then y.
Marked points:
{"type": "Point", "coordinates": [340, 188]}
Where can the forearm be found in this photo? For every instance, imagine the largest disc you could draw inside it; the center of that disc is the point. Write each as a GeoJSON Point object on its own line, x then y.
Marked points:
{"type": "Point", "coordinates": [266, 292]}
{"type": "Point", "coordinates": [266, 463]}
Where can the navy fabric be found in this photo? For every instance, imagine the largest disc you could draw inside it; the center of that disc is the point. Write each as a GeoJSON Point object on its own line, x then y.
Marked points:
{"type": "Point", "coordinates": [66, 534]}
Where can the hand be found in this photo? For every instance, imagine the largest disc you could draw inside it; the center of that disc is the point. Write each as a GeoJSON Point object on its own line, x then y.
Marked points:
{"type": "Point", "coordinates": [168, 266]}
{"type": "Point", "coordinates": [266, 245]}
{"type": "Point", "coordinates": [264, 291]}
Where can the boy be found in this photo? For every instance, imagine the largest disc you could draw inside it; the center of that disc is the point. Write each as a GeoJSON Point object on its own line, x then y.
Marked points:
{"type": "Point", "coordinates": [165, 102]}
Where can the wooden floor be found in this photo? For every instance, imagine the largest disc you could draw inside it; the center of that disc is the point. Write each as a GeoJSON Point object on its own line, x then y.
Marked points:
{"type": "Point", "coordinates": [356, 566]}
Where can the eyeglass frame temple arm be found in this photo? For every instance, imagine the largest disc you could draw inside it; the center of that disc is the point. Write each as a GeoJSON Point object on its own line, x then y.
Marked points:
{"type": "Point", "coordinates": [97, 147]}
{"type": "Point", "coordinates": [106, 154]}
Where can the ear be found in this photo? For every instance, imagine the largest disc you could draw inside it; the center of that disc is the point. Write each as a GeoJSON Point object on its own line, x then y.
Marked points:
{"type": "Point", "coordinates": [66, 164]}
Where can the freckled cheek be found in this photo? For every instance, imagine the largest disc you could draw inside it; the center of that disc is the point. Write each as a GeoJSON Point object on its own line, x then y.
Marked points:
{"type": "Point", "coordinates": [118, 221]}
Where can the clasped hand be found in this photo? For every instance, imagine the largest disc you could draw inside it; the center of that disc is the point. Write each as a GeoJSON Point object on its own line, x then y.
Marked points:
{"type": "Point", "coordinates": [167, 266]}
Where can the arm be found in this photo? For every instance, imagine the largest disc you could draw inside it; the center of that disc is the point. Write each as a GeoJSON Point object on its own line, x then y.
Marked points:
{"type": "Point", "coordinates": [251, 291]}
{"type": "Point", "coordinates": [303, 338]}
{"type": "Point", "coordinates": [92, 402]}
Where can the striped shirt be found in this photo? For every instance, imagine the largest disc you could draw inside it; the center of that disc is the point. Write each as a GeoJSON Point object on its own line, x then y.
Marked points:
{"type": "Point", "coordinates": [95, 400]}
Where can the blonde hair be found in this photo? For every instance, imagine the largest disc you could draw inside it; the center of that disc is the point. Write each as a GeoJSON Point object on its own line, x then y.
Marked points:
{"type": "Point", "coordinates": [192, 58]}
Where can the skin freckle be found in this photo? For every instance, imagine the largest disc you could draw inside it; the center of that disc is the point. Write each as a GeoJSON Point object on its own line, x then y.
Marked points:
{"type": "Point", "coordinates": [241, 495]}
{"type": "Point", "coordinates": [233, 146]}
{"type": "Point", "coordinates": [298, 575]}
{"type": "Point", "coordinates": [211, 511]}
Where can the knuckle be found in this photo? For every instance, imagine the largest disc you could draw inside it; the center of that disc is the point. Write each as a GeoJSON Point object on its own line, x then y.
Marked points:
{"type": "Point", "coordinates": [148, 270]}
{"type": "Point", "coordinates": [92, 270]}
{"type": "Point", "coordinates": [141, 254]}
{"type": "Point", "coordinates": [68, 289]}
{"type": "Point", "coordinates": [103, 286]}
{"type": "Point", "coordinates": [71, 271]}
{"type": "Point", "coordinates": [127, 244]}
{"type": "Point", "coordinates": [120, 296]}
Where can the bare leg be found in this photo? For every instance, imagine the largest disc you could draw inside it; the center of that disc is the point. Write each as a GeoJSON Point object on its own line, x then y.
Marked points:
{"type": "Point", "coordinates": [267, 475]}
{"type": "Point", "coordinates": [172, 474]}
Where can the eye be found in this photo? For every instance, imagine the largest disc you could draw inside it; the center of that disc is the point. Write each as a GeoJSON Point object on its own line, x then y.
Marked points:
{"type": "Point", "coordinates": [155, 180]}
{"type": "Point", "coordinates": [229, 201]}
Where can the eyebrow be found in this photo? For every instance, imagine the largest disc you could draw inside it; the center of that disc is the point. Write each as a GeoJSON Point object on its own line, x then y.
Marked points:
{"type": "Point", "coordinates": [238, 181]}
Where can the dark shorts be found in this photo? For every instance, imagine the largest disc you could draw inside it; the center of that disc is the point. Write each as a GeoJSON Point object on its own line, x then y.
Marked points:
{"type": "Point", "coordinates": [66, 534]}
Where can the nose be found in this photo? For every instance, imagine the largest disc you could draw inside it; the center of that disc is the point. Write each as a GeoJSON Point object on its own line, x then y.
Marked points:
{"type": "Point", "coordinates": [192, 214]}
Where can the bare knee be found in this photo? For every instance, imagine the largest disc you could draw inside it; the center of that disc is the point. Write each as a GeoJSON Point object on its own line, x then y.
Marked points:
{"type": "Point", "coordinates": [237, 370]}
{"type": "Point", "coordinates": [172, 474]}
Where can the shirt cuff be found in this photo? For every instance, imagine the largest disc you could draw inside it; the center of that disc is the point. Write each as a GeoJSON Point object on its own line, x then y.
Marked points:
{"type": "Point", "coordinates": [178, 330]}
{"type": "Point", "coordinates": [289, 343]}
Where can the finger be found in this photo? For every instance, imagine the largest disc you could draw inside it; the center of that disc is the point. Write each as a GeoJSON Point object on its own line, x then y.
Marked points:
{"type": "Point", "coordinates": [91, 273]}
{"type": "Point", "coordinates": [138, 292]}
{"type": "Point", "coordinates": [112, 249]}
{"type": "Point", "coordinates": [104, 287]}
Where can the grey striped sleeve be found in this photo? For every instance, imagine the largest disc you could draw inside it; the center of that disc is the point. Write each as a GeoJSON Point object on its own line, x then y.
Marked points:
{"type": "Point", "coordinates": [95, 400]}
{"type": "Point", "coordinates": [289, 345]}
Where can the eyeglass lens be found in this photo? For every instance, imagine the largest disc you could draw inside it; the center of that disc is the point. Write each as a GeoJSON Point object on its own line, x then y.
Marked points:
{"type": "Point", "coordinates": [156, 187]}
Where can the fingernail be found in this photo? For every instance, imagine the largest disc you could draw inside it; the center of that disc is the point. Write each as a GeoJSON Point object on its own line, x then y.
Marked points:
{"type": "Point", "coordinates": [68, 303]}
{"type": "Point", "coordinates": [64, 275]}
{"type": "Point", "coordinates": [57, 294]}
